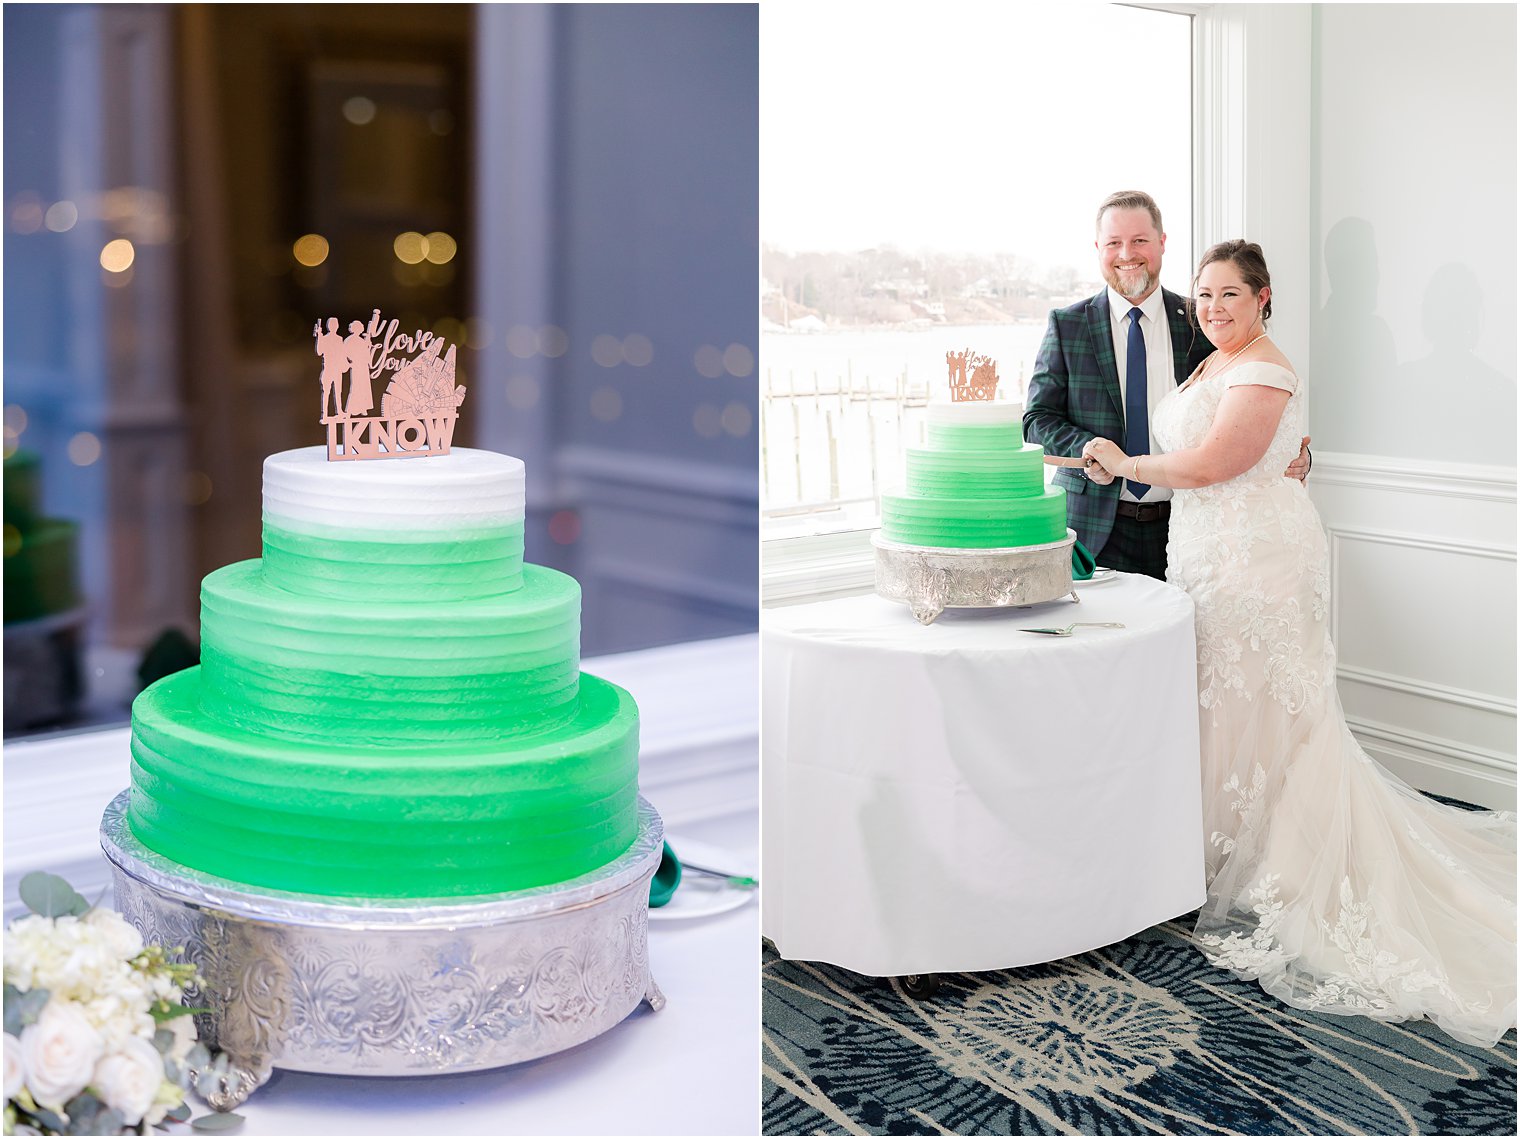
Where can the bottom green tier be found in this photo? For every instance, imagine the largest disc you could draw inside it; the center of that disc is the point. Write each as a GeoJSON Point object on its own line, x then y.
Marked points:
{"type": "Point", "coordinates": [974, 523]}
{"type": "Point", "coordinates": [394, 823]}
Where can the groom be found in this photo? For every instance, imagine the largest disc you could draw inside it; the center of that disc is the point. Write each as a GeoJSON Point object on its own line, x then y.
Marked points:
{"type": "Point", "coordinates": [1105, 363]}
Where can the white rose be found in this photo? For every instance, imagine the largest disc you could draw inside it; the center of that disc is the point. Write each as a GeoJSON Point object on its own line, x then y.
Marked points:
{"type": "Point", "coordinates": [59, 1052]}
{"type": "Point", "coordinates": [128, 1080]}
{"type": "Point", "coordinates": [14, 1069]}
{"type": "Point", "coordinates": [120, 935]}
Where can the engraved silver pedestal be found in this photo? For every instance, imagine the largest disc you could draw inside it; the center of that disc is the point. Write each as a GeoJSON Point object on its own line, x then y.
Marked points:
{"type": "Point", "coordinates": [396, 987]}
{"type": "Point", "coordinates": [932, 579]}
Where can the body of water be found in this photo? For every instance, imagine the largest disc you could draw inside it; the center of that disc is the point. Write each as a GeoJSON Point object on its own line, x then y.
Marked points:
{"type": "Point", "coordinates": [839, 408]}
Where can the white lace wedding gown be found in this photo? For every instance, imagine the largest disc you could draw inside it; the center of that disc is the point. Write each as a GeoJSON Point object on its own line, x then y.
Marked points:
{"type": "Point", "coordinates": [1331, 881]}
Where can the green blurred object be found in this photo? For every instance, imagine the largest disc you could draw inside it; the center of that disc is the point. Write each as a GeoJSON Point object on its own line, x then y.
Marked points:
{"type": "Point", "coordinates": [171, 652]}
{"type": "Point", "coordinates": [1082, 562]}
{"type": "Point", "coordinates": [663, 885]}
{"type": "Point", "coordinates": [40, 577]}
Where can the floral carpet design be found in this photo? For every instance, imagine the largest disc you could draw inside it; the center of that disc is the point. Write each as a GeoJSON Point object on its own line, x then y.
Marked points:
{"type": "Point", "coordinates": [1138, 1038]}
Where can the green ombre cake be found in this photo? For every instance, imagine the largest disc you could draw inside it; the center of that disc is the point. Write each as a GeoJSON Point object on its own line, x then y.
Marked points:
{"type": "Point", "coordinates": [389, 702]}
{"type": "Point", "coordinates": [975, 485]}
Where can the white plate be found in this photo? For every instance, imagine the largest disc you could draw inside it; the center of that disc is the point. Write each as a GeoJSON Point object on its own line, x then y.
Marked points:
{"type": "Point", "coordinates": [1099, 576]}
{"type": "Point", "coordinates": [701, 895]}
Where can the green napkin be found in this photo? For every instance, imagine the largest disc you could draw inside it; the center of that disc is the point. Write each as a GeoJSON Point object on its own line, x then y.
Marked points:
{"type": "Point", "coordinates": [665, 879]}
{"type": "Point", "coordinates": [1082, 562]}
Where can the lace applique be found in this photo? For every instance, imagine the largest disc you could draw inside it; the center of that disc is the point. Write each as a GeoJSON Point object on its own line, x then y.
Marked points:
{"type": "Point", "coordinates": [1229, 543]}
{"type": "Point", "coordinates": [1374, 980]}
{"type": "Point", "coordinates": [1242, 804]}
{"type": "Point", "coordinates": [1440, 856]}
{"type": "Point", "coordinates": [1257, 951]}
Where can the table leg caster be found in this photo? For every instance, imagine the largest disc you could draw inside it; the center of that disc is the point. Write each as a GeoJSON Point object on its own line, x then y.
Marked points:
{"type": "Point", "coordinates": [920, 986]}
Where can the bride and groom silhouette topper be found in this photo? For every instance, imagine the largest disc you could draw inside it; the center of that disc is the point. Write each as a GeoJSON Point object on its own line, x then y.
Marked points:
{"type": "Point", "coordinates": [418, 407]}
{"type": "Point", "coordinates": [972, 377]}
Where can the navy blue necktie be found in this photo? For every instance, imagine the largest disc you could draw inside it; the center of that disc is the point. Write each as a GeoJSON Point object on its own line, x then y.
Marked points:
{"type": "Point", "coordinates": [1137, 419]}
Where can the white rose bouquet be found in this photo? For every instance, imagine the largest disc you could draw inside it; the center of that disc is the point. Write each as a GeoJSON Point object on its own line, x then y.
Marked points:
{"type": "Point", "coordinates": [97, 1038]}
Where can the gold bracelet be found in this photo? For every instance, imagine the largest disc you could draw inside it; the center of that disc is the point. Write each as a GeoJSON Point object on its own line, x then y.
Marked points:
{"type": "Point", "coordinates": [1134, 472]}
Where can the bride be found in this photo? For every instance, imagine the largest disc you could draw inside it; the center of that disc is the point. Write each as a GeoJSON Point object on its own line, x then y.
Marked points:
{"type": "Point", "coordinates": [1336, 885]}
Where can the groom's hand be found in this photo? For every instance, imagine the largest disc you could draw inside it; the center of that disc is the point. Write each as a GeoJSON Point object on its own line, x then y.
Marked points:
{"type": "Point", "coordinates": [1299, 467]}
{"type": "Point", "coordinates": [1093, 469]}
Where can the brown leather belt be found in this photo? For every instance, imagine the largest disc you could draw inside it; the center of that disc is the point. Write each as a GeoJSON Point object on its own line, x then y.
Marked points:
{"type": "Point", "coordinates": [1145, 511]}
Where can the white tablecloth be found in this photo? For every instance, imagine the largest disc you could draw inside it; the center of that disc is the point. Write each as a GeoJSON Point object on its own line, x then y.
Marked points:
{"type": "Point", "coordinates": [967, 796]}
{"type": "Point", "coordinates": [692, 1068]}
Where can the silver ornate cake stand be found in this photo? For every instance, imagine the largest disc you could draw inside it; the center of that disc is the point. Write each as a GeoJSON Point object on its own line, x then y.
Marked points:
{"type": "Point", "coordinates": [396, 987]}
{"type": "Point", "coordinates": [932, 579]}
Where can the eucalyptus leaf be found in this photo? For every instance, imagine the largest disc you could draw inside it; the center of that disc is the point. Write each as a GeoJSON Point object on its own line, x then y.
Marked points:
{"type": "Point", "coordinates": [50, 896]}
{"type": "Point", "coordinates": [22, 1009]}
{"type": "Point", "coordinates": [82, 1111]}
{"type": "Point", "coordinates": [220, 1121]}
{"type": "Point", "coordinates": [207, 1082]}
{"type": "Point", "coordinates": [178, 1114]}
{"type": "Point", "coordinates": [198, 1056]}
{"type": "Point", "coordinates": [48, 1120]}
{"type": "Point", "coordinates": [12, 1009]}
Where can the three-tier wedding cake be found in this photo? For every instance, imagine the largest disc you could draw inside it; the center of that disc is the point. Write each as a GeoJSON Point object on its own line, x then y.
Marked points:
{"type": "Point", "coordinates": [974, 525]}
{"type": "Point", "coordinates": [389, 703]}
{"type": "Point", "coordinates": [975, 483]}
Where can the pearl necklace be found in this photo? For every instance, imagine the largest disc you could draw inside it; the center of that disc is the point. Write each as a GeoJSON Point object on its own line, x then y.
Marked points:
{"type": "Point", "coordinates": [1206, 372]}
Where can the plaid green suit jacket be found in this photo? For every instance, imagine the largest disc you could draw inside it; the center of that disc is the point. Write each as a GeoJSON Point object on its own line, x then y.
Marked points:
{"type": "Point", "coordinates": [1074, 396]}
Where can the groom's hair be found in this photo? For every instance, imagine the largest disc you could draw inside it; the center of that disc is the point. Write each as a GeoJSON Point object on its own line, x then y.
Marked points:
{"type": "Point", "coordinates": [1129, 200]}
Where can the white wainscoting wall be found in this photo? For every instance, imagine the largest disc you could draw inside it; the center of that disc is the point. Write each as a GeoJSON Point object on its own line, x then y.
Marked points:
{"type": "Point", "coordinates": [1423, 588]}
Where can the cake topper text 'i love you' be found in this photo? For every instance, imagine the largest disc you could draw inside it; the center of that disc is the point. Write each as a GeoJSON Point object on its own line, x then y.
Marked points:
{"type": "Point", "coordinates": [972, 377]}
{"type": "Point", "coordinates": [420, 402]}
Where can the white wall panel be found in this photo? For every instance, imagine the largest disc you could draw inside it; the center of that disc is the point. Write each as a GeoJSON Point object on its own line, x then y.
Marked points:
{"type": "Point", "coordinates": [1424, 617]}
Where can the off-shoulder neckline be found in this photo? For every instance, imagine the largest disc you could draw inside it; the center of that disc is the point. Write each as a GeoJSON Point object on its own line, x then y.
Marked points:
{"type": "Point", "coordinates": [1193, 380]}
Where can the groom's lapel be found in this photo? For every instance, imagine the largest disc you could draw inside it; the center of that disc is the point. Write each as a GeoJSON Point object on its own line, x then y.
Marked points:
{"type": "Point", "coordinates": [1182, 333]}
{"type": "Point", "coordinates": [1100, 330]}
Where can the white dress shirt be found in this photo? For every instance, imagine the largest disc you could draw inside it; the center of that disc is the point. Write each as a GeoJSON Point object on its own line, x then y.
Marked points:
{"type": "Point", "coordinates": [1160, 380]}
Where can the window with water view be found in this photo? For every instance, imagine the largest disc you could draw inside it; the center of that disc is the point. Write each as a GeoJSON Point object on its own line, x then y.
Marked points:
{"type": "Point", "coordinates": [934, 190]}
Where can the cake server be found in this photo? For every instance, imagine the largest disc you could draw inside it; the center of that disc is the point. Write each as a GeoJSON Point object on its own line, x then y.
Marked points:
{"type": "Point", "coordinates": [1067, 631]}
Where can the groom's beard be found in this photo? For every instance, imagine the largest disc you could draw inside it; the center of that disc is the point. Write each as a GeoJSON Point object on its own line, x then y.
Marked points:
{"type": "Point", "coordinates": [1129, 283]}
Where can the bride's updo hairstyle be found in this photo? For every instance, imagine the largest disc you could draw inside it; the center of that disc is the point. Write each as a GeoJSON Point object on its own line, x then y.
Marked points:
{"type": "Point", "coordinates": [1245, 256]}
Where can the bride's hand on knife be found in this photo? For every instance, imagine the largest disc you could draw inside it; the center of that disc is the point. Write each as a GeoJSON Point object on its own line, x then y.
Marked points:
{"type": "Point", "coordinates": [1104, 457]}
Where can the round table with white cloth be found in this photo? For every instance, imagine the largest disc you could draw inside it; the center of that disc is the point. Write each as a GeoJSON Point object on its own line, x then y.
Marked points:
{"type": "Point", "coordinates": [965, 796]}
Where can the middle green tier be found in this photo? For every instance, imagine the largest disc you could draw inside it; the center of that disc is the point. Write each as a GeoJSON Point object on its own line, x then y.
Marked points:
{"type": "Point", "coordinates": [413, 671]}
{"type": "Point", "coordinates": [1016, 472]}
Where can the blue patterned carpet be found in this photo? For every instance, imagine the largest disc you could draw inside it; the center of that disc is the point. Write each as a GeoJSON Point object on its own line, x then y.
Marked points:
{"type": "Point", "coordinates": [1139, 1038]}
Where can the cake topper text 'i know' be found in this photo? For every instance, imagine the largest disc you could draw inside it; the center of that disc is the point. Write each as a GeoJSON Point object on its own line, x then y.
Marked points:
{"type": "Point", "coordinates": [418, 407]}
{"type": "Point", "coordinates": [982, 381]}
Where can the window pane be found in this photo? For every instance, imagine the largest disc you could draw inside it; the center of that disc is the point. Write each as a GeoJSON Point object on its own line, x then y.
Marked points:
{"type": "Point", "coordinates": [929, 186]}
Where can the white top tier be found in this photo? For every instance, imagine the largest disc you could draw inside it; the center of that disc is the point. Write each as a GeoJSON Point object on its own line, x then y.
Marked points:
{"type": "Point", "coordinates": [464, 488]}
{"type": "Point", "coordinates": [975, 411]}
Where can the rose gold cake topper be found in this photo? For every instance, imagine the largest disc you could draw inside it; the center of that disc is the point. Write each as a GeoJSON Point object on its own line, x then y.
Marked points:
{"type": "Point", "coordinates": [980, 384]}
{"type": "Point", "coordinates": [419, 405]}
